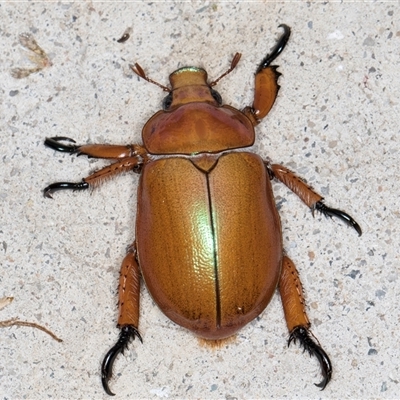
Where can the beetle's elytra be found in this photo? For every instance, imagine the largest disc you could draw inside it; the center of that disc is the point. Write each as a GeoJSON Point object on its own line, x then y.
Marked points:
{"type": "Point", "coordinates": [208, 236]}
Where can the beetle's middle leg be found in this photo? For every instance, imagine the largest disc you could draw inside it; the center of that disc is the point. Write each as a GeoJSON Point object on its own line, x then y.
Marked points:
{"type": "Point", "coordinates": [128, 315]}
{"type": "Point", "coordinates": [296, 318]}
{"type": "Point", "coordinates": [308, 195]}
{"type": "Point", "coordinates": [125, 164]}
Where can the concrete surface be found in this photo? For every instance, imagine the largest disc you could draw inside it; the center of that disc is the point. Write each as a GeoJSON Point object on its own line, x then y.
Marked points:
{"type": "Point", "coordinates": [335, 122]}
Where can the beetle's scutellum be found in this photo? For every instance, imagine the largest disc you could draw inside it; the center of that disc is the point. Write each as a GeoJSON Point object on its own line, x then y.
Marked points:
{"type": "Point", "coordinates": [208, 236]}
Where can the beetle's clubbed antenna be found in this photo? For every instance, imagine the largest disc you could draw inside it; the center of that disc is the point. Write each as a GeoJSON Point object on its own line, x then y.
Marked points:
{"type": "Point", "coordinates": [138, 70]}
{"type": "Point", "coordinates": [234, 62]}
{"type": "Point", "coordinates": [127, 334]}
{"type": "Point", "coordinates": [303, 336]}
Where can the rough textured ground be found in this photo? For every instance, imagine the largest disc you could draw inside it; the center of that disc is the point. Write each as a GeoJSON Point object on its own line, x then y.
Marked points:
{"type": "Point", "coordinates": [335, 123]}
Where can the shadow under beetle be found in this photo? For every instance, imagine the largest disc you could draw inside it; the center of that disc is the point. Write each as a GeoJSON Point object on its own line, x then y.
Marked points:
{"type": "Point", "coordinates": [208, 236]}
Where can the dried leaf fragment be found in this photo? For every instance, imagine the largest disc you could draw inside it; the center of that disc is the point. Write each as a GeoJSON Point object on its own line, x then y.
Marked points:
{"type": "Point", "coordinates": [37, 55]}
{"type": "Point", "coordinates": [5, 301]}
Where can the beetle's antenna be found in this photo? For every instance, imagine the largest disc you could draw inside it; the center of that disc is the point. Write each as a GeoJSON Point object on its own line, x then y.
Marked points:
{"type": "Point", "coordinates": [234, 62]}
{"type": "Point", "coordinates": [138, 70]}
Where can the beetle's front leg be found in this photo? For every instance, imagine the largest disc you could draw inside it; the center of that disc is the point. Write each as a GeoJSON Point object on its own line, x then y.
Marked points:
{"type": "Point", "coordinates": [105, 151]}
{"type": "Point", "coordinates": [308, 196]}
{"type": "Point", "coordinates": [128, 320]}
{"type": "Point", "coordinates": [126, 164]}
{"type": "Point", "coordinates": [296, 318]}
{"type": "Point", "coordinates": [266, 82]}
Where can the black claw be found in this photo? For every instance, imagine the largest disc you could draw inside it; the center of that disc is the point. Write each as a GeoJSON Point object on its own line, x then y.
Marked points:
{"type": "Point", "coordinates": [54, 187]}
{"type": "Point", "coordinates": [332, 212]}
{"type": "Point", "coordinates": [277, 49]}
{"type": "Point", "coordinates": [54, 143]}
{"type": "Point", "coordinates": [302, 335]}
{"type": "Point", "coordinates": [127, 334]}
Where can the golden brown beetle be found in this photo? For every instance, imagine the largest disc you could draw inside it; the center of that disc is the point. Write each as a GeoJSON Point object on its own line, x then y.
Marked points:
{"type": "Point", "coordinates": [208, 236]}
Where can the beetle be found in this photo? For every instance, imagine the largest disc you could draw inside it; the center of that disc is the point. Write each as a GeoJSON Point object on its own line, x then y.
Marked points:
{"type": "Point", "coordinates": [222, 258]}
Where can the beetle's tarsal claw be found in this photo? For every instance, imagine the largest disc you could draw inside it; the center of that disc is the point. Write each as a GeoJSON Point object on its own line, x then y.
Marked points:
{"type": "Point", "coordinates": [332, 212]}
{"type": "Point", "coordinates": [127, 334]}
{"type": "Point", "coordinates": [277, 49]}
{"type": "Point", "coordinates": [302, 335]}
{"type": "Point", "coordinates": [54, 187]}
{"type": "Point", "coordinates": [54, 143]}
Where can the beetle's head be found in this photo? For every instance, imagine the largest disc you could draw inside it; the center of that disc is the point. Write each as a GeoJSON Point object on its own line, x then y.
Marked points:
{"type": "Point", "coordinates": [189, 85]}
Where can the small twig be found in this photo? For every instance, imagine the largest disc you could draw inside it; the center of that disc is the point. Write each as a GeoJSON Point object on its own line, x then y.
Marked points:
{"type": "Point", "coordinates": [5, 301]}
{"type": "Point", "coordinates": [17, 322]}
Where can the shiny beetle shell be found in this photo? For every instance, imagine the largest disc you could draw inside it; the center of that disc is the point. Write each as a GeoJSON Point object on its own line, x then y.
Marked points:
{"type": "Point", "coordinates": [210, 257]}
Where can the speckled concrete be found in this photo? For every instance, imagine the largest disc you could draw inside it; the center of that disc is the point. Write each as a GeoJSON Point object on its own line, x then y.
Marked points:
{"type": "Point", "coordinates": [335, 122]}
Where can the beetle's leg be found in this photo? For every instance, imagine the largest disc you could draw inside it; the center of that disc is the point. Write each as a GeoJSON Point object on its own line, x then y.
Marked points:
{"type": "Point", "coordinates": [126, 164]}
{"type": "Point", "coordinates": [128, 320]}
{"type": "Point", "coordinates": [308, 196]}
{"type": "Point", "coordinates": [106, 151]}
{"type": "Point", "coordinates": [54, 143]}
{"type": "Point", "coordinates": [296, 318]}
{"type": "Point", "coordinates": [266, 82]}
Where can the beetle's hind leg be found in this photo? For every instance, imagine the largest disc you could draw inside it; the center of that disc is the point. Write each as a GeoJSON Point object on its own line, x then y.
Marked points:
{"type": "Point", "coordinates": [296, 318]}
{"type": "Point", "coordinates": [128, 320]}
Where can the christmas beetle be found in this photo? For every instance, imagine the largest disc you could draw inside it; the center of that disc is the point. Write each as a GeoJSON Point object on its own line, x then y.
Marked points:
{"type": "Point", "coordinates": [208, 236]}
